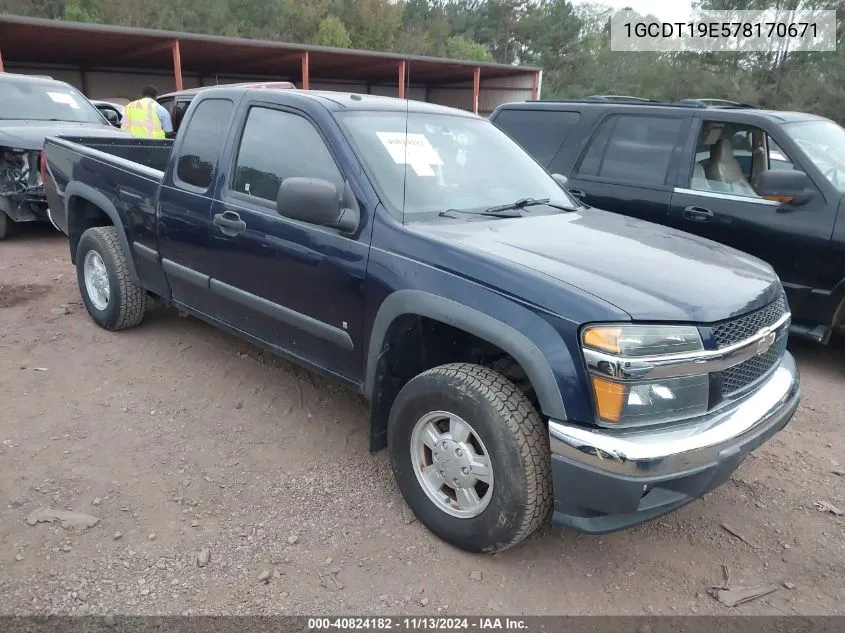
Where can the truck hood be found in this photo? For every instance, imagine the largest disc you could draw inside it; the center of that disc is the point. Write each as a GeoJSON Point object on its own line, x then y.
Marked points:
{"type": "Point", "coordinates": [30, 135]}
{"type": "Point", "coordinates": [647, 270]}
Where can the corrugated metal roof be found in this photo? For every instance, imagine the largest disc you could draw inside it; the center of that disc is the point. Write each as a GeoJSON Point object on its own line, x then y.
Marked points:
{"type": "Point", "coordinates": [35, 40]}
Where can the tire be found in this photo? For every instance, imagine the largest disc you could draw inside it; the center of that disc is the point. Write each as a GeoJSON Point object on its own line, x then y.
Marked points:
{"type": "Point", "coordinates": [126, 300]}
{"type": "Point", "coordinates": [511, 433]}
{"type": "Point", "coordinates": [4, 225]}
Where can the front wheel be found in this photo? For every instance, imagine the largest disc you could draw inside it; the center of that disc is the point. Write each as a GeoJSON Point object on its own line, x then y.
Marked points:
{"type": "Point", "coordinates": [110, 295]}
{"type": "Point", "coordinates": [471, 457]}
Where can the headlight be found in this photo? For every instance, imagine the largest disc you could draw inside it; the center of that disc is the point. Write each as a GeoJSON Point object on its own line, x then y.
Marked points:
{"type": "Point", "coordinates": [623, 361]}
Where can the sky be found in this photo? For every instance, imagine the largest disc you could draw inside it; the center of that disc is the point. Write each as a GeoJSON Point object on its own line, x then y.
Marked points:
{"type": "Point", "coordinates": [668, 10]}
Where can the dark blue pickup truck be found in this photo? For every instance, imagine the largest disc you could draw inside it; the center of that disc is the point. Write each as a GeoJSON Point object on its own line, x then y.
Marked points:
{"type": "Point", "coordinates": [525, 357]}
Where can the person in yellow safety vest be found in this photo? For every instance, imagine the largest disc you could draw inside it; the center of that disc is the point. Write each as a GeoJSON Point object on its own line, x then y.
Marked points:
{"type": "Point", "coordinates": [147, 118]}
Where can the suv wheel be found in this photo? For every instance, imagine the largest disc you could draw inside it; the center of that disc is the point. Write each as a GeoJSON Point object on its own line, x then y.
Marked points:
{"type": "Point", "coordinates": [112, 299]}
{"type": "Point", "coordinates": [471, 457]}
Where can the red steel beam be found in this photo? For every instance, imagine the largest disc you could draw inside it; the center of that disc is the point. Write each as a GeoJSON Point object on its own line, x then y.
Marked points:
{"type": "Point", "coordinates": [177, 65]}
{"type": "Point", "coordinates": [402, 79]}
{"type": "Point", "coordinates": [306, 73]}
{"type": "Point", "coordinates": [535, 86]}
{"type": "Point", "coordinates": [476, 88]}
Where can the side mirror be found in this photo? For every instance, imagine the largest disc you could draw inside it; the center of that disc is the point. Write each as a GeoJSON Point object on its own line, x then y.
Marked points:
{"type": "Point", "coordinates": [788, 187]}
{"type": "Point", "coordinates": [316, 201]}
{"type": "Point", "coordinates": [112, 117]}
{"type": "Point", "coordinates": [560, 179]}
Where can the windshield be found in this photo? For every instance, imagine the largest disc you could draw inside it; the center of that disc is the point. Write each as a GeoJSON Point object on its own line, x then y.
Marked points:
{"type": "Point", "coordinates": [46, 102]}
{"type": "Point", "coordinates": [824, 143]}
{"type": "Point", "coordinates": [454, 163]}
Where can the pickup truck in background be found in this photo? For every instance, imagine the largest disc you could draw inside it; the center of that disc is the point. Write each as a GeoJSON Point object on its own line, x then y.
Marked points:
{"type": "Point", "coordinates": [525, 357]}
{"type": "Point", "coordinates": [31, 109]}
{"type": "Point", "coordinates": [177, 102]}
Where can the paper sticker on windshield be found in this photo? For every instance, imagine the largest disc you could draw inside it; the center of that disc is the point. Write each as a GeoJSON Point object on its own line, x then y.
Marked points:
{"type": "Point", "coordinates": [413, 149]}
{"type": "Point", "coordinates": [63, 97]}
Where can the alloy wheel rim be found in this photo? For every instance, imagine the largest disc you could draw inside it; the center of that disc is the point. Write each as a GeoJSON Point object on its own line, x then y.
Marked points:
{"type": "Point", "coordinates": [452, 464]}
{"type": "Point", "coordinates": [96, 280]}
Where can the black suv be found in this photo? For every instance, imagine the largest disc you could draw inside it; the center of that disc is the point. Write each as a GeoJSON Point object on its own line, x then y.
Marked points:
{"type": "Point", "coordinates": [765, 182]}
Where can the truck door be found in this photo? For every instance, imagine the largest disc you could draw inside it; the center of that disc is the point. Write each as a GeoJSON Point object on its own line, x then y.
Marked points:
{"type": "Point", "coordinates": [629, 165]}
{"type": "Point", "coordinates": [293, 285]}
{"type": "Point", "coordinates": [184, 215]}
{"type": "Point", "coordinates": [716, 198]}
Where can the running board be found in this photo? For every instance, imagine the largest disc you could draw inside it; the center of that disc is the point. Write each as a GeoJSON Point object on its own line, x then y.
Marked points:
{"type": "Point", "coordinates": [819, 334]}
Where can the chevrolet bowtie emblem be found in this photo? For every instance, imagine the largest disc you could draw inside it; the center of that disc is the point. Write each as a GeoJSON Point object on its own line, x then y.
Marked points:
{"type": "Point", "coordinates": [765, 343]}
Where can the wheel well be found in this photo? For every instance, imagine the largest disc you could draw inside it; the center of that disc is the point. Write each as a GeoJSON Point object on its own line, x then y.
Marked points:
{"type": "Point", "coordinates": [414, 344]}
{"type": "Point", "coordinates": [81, 216]}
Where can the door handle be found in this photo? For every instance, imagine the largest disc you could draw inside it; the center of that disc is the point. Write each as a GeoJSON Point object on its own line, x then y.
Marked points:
{"type": "Point", "coordinates": [578, 193]}
{"type": "Point", "coordinates": [230, 223]}
{"type": "Point", "coordinates": [698, 214]}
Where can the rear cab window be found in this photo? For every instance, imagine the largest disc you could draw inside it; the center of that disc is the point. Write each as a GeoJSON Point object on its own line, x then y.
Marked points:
{"type": "Point", "coordinates": [541, 133]}
{"type": "Point", "coordinates": [200, 148]}
{"type": "Point", "coordinates": [178, 112]}
{"type": "Point", "coordinates": [631, 148]}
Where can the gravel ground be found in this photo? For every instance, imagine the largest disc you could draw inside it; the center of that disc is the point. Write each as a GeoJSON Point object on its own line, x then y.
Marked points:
{"type": "Point", "coordinates": [226, 481]}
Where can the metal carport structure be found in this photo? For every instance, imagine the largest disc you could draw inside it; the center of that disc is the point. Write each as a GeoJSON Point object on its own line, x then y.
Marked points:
{"type": "Point", "coordinates": [107, 61]}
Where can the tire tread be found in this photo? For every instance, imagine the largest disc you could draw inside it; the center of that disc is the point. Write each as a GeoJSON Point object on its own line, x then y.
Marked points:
{"type": "Point", "coordinates": [528, 430]}
{"type": "Point", "coordinates": [133, 298]}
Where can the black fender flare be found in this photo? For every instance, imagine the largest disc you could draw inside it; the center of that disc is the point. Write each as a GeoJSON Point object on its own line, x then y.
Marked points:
{"type": "Point", "coordinates": [76, 189]}
{"type": "Point", "coordinates": [482, 325]}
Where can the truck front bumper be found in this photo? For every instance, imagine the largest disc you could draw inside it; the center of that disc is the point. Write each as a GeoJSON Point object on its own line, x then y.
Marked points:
{"type": "Point", "coordinates": [607, 480]}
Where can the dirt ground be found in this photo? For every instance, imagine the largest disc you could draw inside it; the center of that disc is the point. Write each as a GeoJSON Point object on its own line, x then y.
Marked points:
{"type": "Point", "coordinates": [180, 438]}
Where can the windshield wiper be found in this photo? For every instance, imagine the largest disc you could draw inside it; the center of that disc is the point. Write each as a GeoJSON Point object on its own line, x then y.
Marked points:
{"type": "Point", "coordinates": [495, 213]}
{"type": "Point", "coordinates": [529, 202]}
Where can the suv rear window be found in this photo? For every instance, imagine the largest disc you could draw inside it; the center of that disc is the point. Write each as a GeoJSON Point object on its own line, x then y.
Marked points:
{"type": "Point", "coordinates": [630, 148]}
{"type": "Point", "coordinates": [539, 132]}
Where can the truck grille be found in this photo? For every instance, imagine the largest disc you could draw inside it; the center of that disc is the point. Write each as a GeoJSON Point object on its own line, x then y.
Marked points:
{"type": "Point", "coordinates": [742, 328]}
{"type": "Point", "coordinates": [746, 373]}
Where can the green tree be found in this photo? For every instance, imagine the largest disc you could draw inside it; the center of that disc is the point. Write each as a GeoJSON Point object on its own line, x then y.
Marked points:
{"type": "Point", "coordinates": [333, 33]}
{"type": "Point", "coordinates": [457, 47]}
{"type": "Point", "coordinates": [374, 24]}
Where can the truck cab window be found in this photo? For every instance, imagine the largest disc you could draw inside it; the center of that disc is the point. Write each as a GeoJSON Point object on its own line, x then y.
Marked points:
{"type": "Point", "coordinates": [730, 157]}
{"type": "Point", "coordinates": [276, 145]}
{"type": "Point", "coordinates": [201, 142]}
{"type": "Point", "coordinates": [178, 112]}
{"type": "Point", "coordinates": [167, 104]}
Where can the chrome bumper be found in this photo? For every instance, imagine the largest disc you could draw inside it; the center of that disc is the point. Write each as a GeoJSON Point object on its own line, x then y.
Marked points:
{"type": "Point", "coordinates": [678, 449]}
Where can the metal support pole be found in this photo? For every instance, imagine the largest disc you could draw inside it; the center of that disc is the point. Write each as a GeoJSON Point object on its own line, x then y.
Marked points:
{"type": "Point", "coordinates": [177, 65]}
{"type": "Point", "coordinates": [402, 79]}
{"type": "Point", "coordinates": [306, 78]}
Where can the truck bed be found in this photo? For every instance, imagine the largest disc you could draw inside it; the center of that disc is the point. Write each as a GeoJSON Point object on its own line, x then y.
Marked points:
{"type": "Point", "coordinates": [150, 153]}
{"type": "Point", "coordinates": [124, 173]}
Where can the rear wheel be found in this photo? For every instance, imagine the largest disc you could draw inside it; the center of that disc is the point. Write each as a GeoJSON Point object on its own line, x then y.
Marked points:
{"type": "Point", "coordinates": [471, 457]}
{"type": "Point", "coordinates": [110, 295]}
